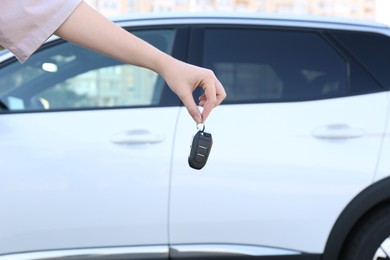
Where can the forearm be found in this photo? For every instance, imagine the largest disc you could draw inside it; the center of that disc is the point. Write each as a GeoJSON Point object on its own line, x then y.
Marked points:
{"type": "Point", "coordinates": [88, 28]}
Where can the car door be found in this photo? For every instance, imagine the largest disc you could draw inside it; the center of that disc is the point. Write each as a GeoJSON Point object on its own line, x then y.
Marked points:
{"type": "Point", "coordinates": [85, 154]}
{"type": "Point", "coordinates": [297, 138]}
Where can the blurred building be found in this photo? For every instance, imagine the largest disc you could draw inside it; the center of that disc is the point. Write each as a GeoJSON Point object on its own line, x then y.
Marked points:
{"type": "Point", "coordinates": [361, 9]}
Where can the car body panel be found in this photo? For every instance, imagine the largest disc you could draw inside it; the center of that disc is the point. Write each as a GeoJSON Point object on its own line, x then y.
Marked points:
{"type": "Point", "coordinates": [383, 169]}
{"type": "Point", "coordinates": [279, 187]}
{"type": "Point", "coordinates": [65, 184]}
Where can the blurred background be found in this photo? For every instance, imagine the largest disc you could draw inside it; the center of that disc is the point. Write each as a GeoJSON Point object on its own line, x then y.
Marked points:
{"type": "Point", "coordinates": [374, 10]}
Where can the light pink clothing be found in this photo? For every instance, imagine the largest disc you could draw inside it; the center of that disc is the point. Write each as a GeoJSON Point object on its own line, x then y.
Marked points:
{"type": "Point", "coordinates": [26, 24]}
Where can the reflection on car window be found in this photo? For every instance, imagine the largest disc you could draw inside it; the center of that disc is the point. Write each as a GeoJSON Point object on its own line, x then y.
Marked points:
{"type": "Point", "coordinates": [274, 65]}
{"type": "Point", "coordinates": [120, 85]}
{"type": "Point", "coordinates": [65, 76]}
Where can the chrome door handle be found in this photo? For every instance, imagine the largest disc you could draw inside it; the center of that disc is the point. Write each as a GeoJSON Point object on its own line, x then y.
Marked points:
{"type": "Point", "coordinates": [337, 131]}
{"type": "Point", "coordinates": [137, 136]}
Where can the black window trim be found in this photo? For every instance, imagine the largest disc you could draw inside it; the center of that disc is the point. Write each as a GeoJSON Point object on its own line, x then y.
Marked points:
{"type": "Point", "coordinates": [342, 47]}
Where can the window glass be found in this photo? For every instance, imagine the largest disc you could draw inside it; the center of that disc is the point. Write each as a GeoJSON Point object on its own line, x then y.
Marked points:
{"type": "Point", "coordinates": [274, 65]}
{"type": "Point", "coordinates": [65, 76]}
{"type": "Point", "coordinates": [120, 85]}
{"type": "Point", "coordinates": [371, 49]}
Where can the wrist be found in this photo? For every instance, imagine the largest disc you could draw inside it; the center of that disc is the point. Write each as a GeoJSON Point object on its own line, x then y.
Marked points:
{"type": "Point", "coordinates": [163, 64]}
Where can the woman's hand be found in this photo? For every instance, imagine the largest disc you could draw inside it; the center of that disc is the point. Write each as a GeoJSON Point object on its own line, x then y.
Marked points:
{"type": "Point", "coordinates": [184, 78]}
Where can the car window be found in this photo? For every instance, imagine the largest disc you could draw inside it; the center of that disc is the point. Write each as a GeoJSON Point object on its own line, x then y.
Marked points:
{"type": "Point", "coordinates": [372, 50]}
{"type": "Point", "coordinates": [65, 76]}
{"type": "Point", "coordinates": [263, 65]}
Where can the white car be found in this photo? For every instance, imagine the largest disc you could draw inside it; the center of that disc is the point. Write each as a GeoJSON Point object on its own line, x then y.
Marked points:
{"type": "Point", "coordinates": [94, 152]}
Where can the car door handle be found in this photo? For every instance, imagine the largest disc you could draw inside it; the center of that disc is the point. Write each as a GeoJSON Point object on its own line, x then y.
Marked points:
{"type": "Point", "coordinates": [136, 136]}
{"type": "Point", "coordinates": [337, 131]}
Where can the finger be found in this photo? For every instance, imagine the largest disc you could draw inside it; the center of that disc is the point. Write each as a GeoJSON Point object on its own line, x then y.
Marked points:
{"type": "Point", "coordinates": [202, 100]}
{"type": "Point", "coordinates": [210, 98]}
{"type": "Point", "coordinates": [207, 107]}
{"type": "Point", "coordinates": [220, 91]}
{"type": "Point", "coordinates": [202, 97]}
{"type": "Point", "coordinates": [192, 108]}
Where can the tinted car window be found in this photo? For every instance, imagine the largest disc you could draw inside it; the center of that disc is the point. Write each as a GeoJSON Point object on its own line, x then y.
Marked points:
{"type": "Point", "coordinates": [65, 76]}
{"type": "Point", "coordinates": [274, 65]}
{"type": "Point", "coordinates": [372, 50]}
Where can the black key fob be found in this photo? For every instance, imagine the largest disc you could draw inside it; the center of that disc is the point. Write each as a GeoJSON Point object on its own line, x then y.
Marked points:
{"type": "Point", "coordinates": [200, 149]}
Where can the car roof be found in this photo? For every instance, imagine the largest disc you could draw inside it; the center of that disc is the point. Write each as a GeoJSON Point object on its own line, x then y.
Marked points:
{"type": "Point", "coordinates": [246, 18]}
{"type": "Point", "coordinates": [238, 18]}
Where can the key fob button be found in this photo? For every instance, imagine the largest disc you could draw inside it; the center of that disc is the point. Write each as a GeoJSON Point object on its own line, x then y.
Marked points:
{"type": "Point", "coordinates": [200, 158]}
{"type": "Point", "coordinates": [203, 144]}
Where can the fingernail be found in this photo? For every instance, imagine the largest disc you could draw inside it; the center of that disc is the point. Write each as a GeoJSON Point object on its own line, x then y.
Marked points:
{"type": "Point", "coordinates": [197, 119]}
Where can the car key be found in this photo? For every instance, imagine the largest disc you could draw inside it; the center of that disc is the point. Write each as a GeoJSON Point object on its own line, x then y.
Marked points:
{"type": "Point", "coordinates": [200, 148]}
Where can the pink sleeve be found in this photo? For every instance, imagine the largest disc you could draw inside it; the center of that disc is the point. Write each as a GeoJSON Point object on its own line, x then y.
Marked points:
{"type": "Point", "coordinates": [26, 24]}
